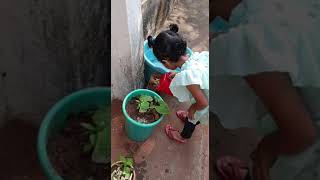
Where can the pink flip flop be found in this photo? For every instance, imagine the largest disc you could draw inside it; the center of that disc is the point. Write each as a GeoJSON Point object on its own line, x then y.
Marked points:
{"type": "Point", "coordinates": [182, 115]}
{"type": "Point", "coordinates": [230, 168]}
{"type": "Point", "coordinates": [168, 130]}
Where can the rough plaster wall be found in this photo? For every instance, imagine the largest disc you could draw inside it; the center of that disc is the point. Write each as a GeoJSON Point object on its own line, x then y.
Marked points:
{"type": "Point", "coordinates": [49, 49]}
{"type": "Point", "coordinates": [127, 41]}
{"type": "Point", "coordinates": [155, 13]}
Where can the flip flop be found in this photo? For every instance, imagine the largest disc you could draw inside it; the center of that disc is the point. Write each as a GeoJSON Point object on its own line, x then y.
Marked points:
{"type": "Point", "coordinates": [229, 168]}
{"type": "Point", "coordinates": [168, 130]}
{"type": "Point", "coordinates": [181, 114]}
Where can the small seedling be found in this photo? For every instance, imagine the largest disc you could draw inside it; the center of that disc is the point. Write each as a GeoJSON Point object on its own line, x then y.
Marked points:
{"type": "Point", "coordinates": [147, 103]}
{"type": "Point", "coordinates": [124, 171]}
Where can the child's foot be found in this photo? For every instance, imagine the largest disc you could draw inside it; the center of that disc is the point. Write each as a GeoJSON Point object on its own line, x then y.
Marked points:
{"type": "Point", "coordinates": [182, 115]}
{"type": "Point", "coordinates": [230, 168]}
{"type": "Point", "coordinates": [174, 134]}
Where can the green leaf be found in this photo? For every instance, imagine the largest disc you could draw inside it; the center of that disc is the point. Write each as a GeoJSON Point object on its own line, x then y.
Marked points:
{"type": "Point", "coordinates": [100, 117]}
{"type": "Point", "coordinates": [88, 126]}
{"type": "Point", "coordinates": [92, 138]}
{"type": "Point", "coordinates": [122, 159]}
{"type": "Point", "coordinates": [162, 108]}
{"type": "Point", "coordinates": [87, 147]}
{"type": "Point", "coordinates": [143, 107]}
{"type": "Point", "coordinates": [102, 147]}
{"type": "Point", "coordinates": [158, 100]}
{"type": "Point", "coordinates": [146, 98]}
{"type": "Point", "coordinates": [129, 161]}
{"type": "Point", "coordinates": [99, 139]}
{"type": "Point", "coordinates": [127, 170]}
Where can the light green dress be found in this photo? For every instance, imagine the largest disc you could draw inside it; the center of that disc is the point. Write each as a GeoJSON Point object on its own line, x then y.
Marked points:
{"type": "Point", "coordinates": [265, 36]}
{"type": "Point", "coordinates": [194, 71]}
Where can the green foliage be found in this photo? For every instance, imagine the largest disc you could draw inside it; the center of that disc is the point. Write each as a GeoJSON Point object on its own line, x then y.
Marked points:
{"type": "Point", "coordinates": [99, 139]}
{"type": "Point", "coordinates": [147, 103]}
{"type": "Point", "coordinates": [162, 108]}
{"type": "Point", "coordinates": [124, 171]}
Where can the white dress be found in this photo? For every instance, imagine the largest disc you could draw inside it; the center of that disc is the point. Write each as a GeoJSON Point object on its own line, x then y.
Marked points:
{"type": "Point", "coordinates": [194, 71]}
{"type": "Point", "coordinates": [265, 36]}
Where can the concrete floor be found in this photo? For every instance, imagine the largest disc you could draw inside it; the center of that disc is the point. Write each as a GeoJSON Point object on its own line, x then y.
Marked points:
{"type": "Point", "coordinates": [193, 20]}
{"type": "Point", "coordinates": [160, 158]}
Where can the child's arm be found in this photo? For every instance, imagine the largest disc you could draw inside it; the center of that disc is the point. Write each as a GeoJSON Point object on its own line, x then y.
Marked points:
{"type": "Point", "coordinates": [201, 100]}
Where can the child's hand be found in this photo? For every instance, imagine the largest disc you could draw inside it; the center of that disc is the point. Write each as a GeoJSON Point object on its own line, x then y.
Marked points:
{"type": "Point", "coordinates": [191, 112]}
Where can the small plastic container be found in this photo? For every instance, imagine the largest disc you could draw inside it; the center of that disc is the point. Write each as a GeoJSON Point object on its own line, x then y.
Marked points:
{"type": "Point", "coordinates": [164, 85]}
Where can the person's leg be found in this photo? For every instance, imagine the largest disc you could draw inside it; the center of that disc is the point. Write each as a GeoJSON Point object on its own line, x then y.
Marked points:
{"type": "Point", "coordinates": [296, 131]}
{"type": "Point", "coordinates": [185, 134]}
{"type": "Point", "coordinates": [188, 129]}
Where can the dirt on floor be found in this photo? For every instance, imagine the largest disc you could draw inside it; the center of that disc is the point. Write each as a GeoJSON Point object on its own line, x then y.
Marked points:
{"type": "Point", "coordinates": [67, 156]}
{"type": "Point", "coordinates": [18, 153]}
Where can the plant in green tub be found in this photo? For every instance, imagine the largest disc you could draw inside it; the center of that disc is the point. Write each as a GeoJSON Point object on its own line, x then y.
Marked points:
{"type": "Point", "coordinates": [148, 103]}
{"type": "Point", "coordinates": [143, 110]}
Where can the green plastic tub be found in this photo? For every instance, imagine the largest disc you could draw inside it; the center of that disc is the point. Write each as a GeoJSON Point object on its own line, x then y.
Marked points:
{"type": "Point", "coordinates": [137, 131]}
{"type": "Point", "coordinates": [56, 118]}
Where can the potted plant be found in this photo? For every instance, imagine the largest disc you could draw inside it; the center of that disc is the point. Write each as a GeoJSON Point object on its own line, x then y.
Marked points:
{"type": "Point", "coordinates": [123, 169]}
{"type": "Point", "coordinates": [97, 131]}
{"type": "Point", "coordinates": [76, 123]}
{"type": "Point", "coordinates": [143, 110]}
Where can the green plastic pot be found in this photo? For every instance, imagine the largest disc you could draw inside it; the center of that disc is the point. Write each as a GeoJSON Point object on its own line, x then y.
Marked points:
{"type": "Point", "coordinates": [137, 131]}
{"type": "Point", "coordinates": [56, 118]}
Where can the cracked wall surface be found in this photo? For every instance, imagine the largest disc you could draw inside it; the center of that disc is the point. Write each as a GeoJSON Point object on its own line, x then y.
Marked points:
{"type": "Point", "coordinates": [49, 49]}
{"type": "Point", "coordinates": [127, 51]}
{"type": "Point", "coordinates": [155, 13]}
{"type": "Point", "coordinates": [132, 21]}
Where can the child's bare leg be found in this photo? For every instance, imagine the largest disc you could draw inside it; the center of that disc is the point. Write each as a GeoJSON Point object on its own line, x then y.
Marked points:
{"type": "Point", "coordinates": [177, 136]}
{"type": "Point", "coordinates": [296, 131]}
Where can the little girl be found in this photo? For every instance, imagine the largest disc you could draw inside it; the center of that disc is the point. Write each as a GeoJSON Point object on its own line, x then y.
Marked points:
{"type": "Point", "coordinates": [266, 69]}
{"type": "Point", "coordinates": [190, 84]}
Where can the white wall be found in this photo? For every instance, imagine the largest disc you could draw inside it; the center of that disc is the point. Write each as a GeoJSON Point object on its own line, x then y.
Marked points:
{"type": "Point", "coordinates": [126, 47]}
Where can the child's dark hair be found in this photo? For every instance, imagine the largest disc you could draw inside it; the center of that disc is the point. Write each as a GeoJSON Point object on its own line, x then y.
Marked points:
{"type": "Point", "coordinates": [168, 45]}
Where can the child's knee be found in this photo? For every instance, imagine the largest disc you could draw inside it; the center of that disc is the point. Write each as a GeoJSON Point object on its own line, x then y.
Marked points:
{"type": "Point", "coordinates": [303, 138]}
{"type": "Point", "coordinates": [309, 137]}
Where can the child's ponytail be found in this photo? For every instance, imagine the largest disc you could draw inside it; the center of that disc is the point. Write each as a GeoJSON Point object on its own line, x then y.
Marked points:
{"type": "Point", "coordinates": [174, 28]}
{"type": "Point", "coordinates": [150, 41]}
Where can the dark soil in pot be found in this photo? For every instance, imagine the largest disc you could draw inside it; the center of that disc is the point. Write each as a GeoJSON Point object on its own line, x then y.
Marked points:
{"type": "Point", "coordinates": [67, 156]}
